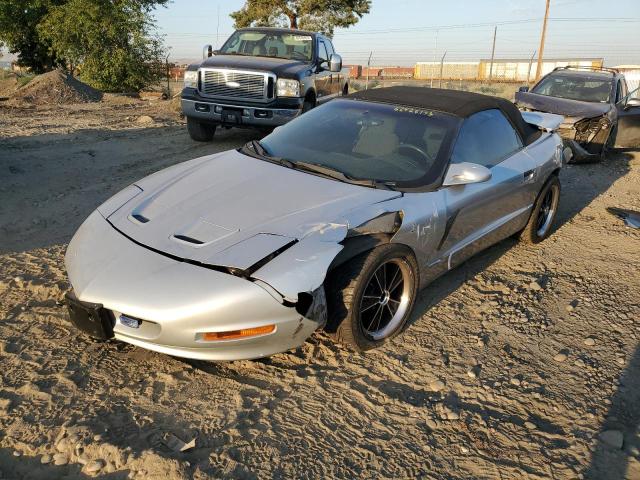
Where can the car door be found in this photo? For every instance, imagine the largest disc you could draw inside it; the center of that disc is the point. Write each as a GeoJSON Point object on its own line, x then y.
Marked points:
{"type": "Point", "coordinates": [323, 75]}
{"type": "Point", "coordinates": [628, 133]}
{"type": "Point", "coordinates": [481, 214]}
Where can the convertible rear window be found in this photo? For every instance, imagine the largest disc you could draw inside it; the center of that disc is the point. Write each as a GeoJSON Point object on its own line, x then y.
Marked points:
{"type": "Point", "coordinates": [367, 140]}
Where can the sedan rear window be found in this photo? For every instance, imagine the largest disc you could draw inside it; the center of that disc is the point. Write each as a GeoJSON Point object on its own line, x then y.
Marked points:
{"type": "Point", "coordinates": [584, 88]}
{"type": "Point", "coordinates": [366, 140]}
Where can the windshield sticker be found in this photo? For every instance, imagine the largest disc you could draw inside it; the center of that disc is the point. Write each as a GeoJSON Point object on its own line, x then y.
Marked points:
{"type": "Point", "coordinates": [302, 38]}
{"type": "Point", "coordinates": [415, 111]}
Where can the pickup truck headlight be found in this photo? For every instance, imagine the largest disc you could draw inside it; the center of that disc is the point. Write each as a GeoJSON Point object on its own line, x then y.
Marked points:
{"type": "Point", "coordinates": [190, 79]}
{"type": "Point", "coordinates": [288, 88]}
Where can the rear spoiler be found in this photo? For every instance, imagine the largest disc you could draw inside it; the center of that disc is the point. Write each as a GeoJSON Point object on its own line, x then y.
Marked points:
{"type": "Point", "coordinates": [547, 122]}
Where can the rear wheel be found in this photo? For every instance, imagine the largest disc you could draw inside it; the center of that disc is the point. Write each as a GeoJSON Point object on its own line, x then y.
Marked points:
{"type": "Point", "coordinates": [544, 213]}
{"type": "Point", "coordinates": [199, 131]}
{"type": "Point", "coordinates": [371, 298]}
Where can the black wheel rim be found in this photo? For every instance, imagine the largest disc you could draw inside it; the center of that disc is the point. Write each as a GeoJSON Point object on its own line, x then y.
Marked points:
{"type": "Point", "coordinates": [546, 212]}
{"type": "Point", "coordinates": [385, 299]}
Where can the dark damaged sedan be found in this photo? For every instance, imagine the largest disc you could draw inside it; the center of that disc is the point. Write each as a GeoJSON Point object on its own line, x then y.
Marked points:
{"type": "Point", "coordinates": [600, 112]}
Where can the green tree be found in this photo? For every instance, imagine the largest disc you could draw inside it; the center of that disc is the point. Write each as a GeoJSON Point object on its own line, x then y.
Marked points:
{"type": "Point", "coordinates": [319, 15]}
{"type": "Point", "coordinates": [112, 42]}
{"type": "Point", "coordinates": [19, 20]}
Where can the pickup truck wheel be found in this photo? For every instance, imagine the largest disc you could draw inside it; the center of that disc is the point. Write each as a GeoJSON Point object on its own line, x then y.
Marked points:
{"type": "Point", "coordinates": [309, 103]}
{"type": "Point", "coordinates": [199, 131]}
{"type": "Point", "coordinates": [371, 297]}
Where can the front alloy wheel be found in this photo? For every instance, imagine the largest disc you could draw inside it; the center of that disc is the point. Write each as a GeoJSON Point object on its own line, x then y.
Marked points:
{"type": "Point", "coordinates": [385, 299]}
{"type": "Point", "coordinates": [371, 297]}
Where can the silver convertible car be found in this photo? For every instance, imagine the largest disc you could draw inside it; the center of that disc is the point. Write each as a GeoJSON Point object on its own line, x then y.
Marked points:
{"type": "Point", "coordinates": [334, 220]}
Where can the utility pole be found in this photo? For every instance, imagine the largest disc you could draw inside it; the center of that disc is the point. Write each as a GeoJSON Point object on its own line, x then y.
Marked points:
{"type": "Point", "coordinates": [435, 53]}
{"type": "Point", "coordinates": [541, 49]}
{"type": "Point", "coordinates": [442, 67]}
{"type": "Point", "coordinates": [218, 30]}
{"type": "Point", "coordinates": [493, 52]}
{"type": "Point", "coordinates": [168, 77]}
{"type": "Point", "coordinates": [529, 71]}
{"type": "Point", "coordinates": [368, 68]}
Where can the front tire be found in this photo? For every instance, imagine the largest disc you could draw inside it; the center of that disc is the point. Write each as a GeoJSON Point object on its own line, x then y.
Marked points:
{"type": "Point", "coordinates": [199, 131]}
{"type": "Point", "coordinates": [608, 146]}
{"type": "Point", "coordinates": [309, 103]}
{"type": "Point", "coordinates": [544, 213]}
{"type": "Point", "coordinates": [371, 298]}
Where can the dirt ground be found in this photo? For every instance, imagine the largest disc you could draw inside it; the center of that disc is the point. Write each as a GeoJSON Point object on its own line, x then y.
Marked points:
{"type": "Point", "coordinates": [524, 363]}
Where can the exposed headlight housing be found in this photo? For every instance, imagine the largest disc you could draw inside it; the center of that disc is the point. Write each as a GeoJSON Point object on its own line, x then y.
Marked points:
{"type": "Point", "coordinates": [287, 88]}
{"type": "Point", "coordinates": [190, 79]}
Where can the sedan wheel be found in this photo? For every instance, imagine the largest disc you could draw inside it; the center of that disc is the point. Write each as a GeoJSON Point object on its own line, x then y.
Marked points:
{"type": "Point", "coordinates": [370, 298]}
{"type": "Point", "coordinates": [544, 213]}
{"type": "Point", "coordinates": [385, 299]}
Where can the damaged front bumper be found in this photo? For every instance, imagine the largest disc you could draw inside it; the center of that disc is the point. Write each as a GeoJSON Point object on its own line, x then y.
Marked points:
{"type": "Point", "coordinates": [587, 138]}
{"type": "Point", "coordinates": [168, 306]}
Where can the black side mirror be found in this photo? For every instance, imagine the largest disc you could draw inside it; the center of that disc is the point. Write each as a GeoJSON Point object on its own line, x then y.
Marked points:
{"type": "Point", "coordinates": [523, 89]}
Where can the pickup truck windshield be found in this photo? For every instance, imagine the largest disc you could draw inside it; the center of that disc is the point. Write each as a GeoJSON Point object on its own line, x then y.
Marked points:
{"type": "Point", "coordinates": [365, 140]}
{"type": "Point", "coordinates": [269, 44]}
{"type": "Point", "coordinates": [585, 89]}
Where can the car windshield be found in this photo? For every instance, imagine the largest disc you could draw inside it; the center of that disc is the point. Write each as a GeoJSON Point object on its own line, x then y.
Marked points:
{"type": "Point", "coordinates": [269, 44]}
{"type": "Point", "coordinates": [366, 141]}
{"type": "Point", "coordinates": [584, 88]}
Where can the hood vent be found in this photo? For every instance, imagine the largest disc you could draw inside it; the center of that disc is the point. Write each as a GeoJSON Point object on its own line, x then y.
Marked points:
{"type": "Point", "coordinates": [187, 239]}
{"type": "Point", "coordinates": [139, 218]}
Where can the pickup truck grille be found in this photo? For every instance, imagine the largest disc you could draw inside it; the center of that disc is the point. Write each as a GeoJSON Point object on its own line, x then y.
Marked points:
{"type": "Point", "coordinates": [233, 84]}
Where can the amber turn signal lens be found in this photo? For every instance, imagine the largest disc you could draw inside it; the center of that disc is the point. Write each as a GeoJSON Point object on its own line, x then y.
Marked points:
{"type": "Point", "coordinates": [235, 334]}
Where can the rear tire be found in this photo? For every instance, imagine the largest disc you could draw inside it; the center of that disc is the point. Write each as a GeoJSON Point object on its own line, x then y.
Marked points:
{"type": "Point", "coordinates": [371, 297]}
{"type": "Point", "coordinates": [544, 213]}
{"type": "Point", "coordinates": [199, 131]}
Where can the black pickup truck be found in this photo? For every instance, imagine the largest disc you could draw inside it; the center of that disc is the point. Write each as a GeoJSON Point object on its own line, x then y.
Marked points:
{"type": "Point", "coordinates": [261, 77]}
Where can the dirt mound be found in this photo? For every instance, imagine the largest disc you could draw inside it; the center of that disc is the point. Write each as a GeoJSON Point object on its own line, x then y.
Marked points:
{"type": "Point", "coordinates": [56, 87]}
{"type": "Point", "coordinates": [8, 86]}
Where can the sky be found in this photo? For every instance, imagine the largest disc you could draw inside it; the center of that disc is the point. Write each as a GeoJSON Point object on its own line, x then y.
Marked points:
{"type": "Point", "coordinates": [402, 32]}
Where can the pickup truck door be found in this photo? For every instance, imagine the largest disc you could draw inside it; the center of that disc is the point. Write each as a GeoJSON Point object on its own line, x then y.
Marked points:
{"type": "Point", "coordinates": [336, 87]}
{"type": "Point", "coordinates": [323, 74]}
{"type": "Point", "coordinates": [481, 214]}
{"type": "Point", "coordinates": [628, 134]}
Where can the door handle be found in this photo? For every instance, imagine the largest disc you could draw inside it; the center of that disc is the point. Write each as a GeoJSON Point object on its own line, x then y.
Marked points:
{"type": "Point", "coordinates": [529, 175]}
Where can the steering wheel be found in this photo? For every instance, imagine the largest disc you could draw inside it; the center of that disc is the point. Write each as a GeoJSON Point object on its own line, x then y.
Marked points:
{"type": "Point", "coordinates": [417, 153]}
{"type": "Point", "coordinates": [298, 56]}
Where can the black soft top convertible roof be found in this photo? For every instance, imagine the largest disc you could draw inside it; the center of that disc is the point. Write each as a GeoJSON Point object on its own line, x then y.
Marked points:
{"type": "Point", "coordinates": [454, 102]}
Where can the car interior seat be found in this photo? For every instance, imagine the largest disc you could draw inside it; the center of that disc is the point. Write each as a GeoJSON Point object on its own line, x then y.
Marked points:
{"type": "Point", "coordinates": [259, 50]}
{"type": "Point", "coordinates": [377, 138]}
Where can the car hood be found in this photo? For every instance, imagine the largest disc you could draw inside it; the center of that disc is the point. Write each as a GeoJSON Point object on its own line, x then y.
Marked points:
{"type": "Point", "coordinates": [280, 66]}
{"type": "Point", "coordinates": [232, 210]}
{"type": "Point", "coordinates": [561, 106]}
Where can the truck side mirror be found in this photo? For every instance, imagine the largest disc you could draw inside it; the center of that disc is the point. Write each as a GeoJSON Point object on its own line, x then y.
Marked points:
{"type": "Point", "coordinates": [523, 89]}
{"type": "Point", "coordinates": [335, 63]}
{"type": "Point", "coordinates": [207, 51]}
